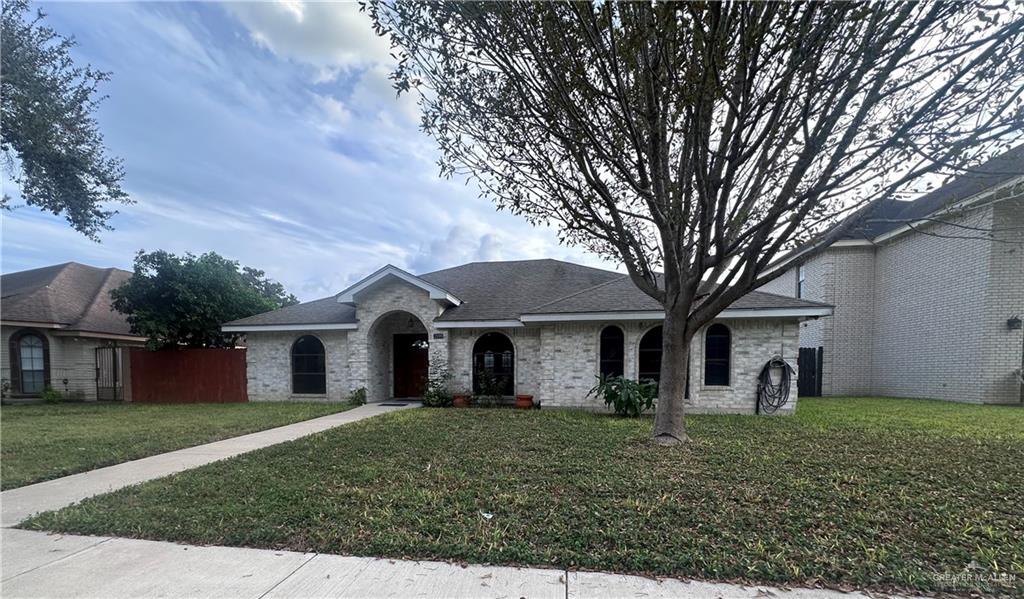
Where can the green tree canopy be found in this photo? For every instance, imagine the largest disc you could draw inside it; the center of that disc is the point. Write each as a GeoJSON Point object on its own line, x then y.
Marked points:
{"type": "Point", "coordinates": [51, 143]}
{"type": "Point", "coordinates": [184, 300]}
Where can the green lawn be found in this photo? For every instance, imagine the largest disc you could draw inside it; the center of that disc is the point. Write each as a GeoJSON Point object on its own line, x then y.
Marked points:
{"type": "Point", "coordinates": [40, 442]}
{"type": "Point", "coordinates": [882, 494]}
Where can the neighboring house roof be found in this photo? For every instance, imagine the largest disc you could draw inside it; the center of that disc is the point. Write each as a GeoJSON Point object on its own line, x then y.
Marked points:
{"type": "Point", "coordinates": [69, 296]}
{"type": "Point", "coordinates": [890, 215]}
{"type": "Point", "coordinates": [510, 293]}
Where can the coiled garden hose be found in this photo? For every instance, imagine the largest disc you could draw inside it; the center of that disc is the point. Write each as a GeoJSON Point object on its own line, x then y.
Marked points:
{"type": "Point", "coordinates": [772, 395]}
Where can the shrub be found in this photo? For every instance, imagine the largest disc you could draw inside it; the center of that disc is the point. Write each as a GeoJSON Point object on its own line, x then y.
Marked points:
{"type": "Point", "coordinates": [438, 393]}
{"type": "Point", "coordinates": [51, 395]}
{"type": "Point", "coordinates": [626, 396]}
{"type": "Point", "coordinates": [357, 397]}
{"type": "Point", "coordinates": [491, 387]}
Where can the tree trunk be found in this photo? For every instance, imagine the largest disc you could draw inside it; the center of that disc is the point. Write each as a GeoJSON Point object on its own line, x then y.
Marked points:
{"type": "Point", "coordinates": [669, 420]}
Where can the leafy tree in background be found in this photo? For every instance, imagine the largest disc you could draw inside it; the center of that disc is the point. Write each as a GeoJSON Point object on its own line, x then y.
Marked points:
{"type": "Point", "coordinates": [51, 143]}
{"type": "Point", "coordinates": [697, 142]}
{"type": "Point", "coordinates": [184, 300]}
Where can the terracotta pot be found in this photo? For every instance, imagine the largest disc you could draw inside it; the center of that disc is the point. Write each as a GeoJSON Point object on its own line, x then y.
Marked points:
{"type": "Point", "coordinates": [524, 402]}
{"type": "Point", "coordinates": [460, 401]}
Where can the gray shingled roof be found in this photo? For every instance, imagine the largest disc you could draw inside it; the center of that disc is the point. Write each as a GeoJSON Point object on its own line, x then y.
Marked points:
{"type": "Point", "coordinates": [894, 214]}
{"type": "Point", "coordinates": [71, 294]}
{"type": "Point", "coordinates": [506, 290]}
{"type": "Point", "coordinates": [325, 310]}
{"type": "Point", "coordinates": [621, 295]}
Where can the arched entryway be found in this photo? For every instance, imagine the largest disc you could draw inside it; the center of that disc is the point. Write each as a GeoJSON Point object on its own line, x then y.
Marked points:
{"type": "Point", "coordinates": [494, 363]}
{"type": "Point", "coordinates": [398, 356]}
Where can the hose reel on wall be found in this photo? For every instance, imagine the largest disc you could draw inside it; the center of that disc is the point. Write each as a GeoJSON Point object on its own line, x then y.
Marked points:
{"type": "Point", "coordinates": [772, 394]}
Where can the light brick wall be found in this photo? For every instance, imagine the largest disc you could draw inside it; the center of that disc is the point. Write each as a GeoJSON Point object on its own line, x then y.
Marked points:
{"type": "Point", "coordinates": [527, 364]}
{"type": "Point", "coordinates": [71, 358]}
{"type": "Point", "coordinates": [1006, 300]}
{"type": "Point", "coordinates": [556, 363]}
{"type": "Point", "coordinates": [923, 314]}
{"type": "Point", "coordinates": [369, 364]}
{"type": "Point", "coordinates": [785, 284]}
{"type": "Point", "coordinates": [942, 324]}
{"type": "Point", "coordinates": [268, 365]}
{"type": "Point", "coordinates": [569, 354]}
{"type": "Point", "coordinates": [848, 334]}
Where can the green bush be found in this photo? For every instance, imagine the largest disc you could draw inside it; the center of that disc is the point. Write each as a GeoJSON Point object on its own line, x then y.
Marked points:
{"type": "Point", "coordinates": [491, 387]}
{"type": "Point", "coordinates": [357, 397]}
{"type": "Point", "coordinates": [51, 395]}
{"type": "Point", "coordinates": [438, 393]}
{"type": "Point", "coordinates": [626, 396]}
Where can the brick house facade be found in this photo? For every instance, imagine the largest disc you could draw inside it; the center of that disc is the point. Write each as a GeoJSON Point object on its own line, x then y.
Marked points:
{"type": "Point", "coordinates": [550, 316]}
{"type": "Point", "coordinates": [926, 306]}
{"type": "Point", "coordinates": [59, 331]}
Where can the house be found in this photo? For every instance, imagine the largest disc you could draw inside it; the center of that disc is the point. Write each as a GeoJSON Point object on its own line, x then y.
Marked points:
{"type": "Point", "coordinates": [60, 331]}
{"type": "Point", "coordinates": [540, 327]}
{"type": "Point", "coordinates": [925, 305]}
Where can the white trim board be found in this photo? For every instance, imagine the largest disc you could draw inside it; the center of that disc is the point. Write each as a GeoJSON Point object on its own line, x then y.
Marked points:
{"type": "Point", "coordinates": [476, 324]}
{"type": "Point", "coordinates": [348, 296]}
{"type": "Point", "coordinates": [660, 315]}
{"type": "Point", "coordinates": [253, 328]}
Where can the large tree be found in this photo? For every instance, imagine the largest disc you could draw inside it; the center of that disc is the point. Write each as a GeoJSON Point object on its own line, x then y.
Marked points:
{"type": "Point", "coordinates": [51, 143]}
{"type": "Point", "coordinates": [697, 142]}
{"type": "Point", "coordinates": [184, 300]}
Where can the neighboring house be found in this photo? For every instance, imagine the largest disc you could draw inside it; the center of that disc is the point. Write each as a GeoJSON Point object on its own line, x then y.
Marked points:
{"type": "Point", "coordinates": [925, 305]}
{"type": "Point", "coordinates": [540, 327]}
{"type": "Point", "coordinates": [60, 331]}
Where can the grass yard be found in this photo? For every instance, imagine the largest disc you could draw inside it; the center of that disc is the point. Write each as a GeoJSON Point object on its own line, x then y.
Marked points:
{"type": "Point", "coordinates": [40, 442]}
{"type": "Point", "coordinates": [881, 494]}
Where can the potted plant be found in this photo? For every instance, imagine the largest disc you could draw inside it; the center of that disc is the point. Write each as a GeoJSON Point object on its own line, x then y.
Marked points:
{"type": "Point", "coordinates": [462, 398]}
{"type": "Point", "coordinates": [524, 402]}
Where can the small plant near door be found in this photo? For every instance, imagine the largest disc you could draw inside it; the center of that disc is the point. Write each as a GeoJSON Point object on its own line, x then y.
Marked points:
{"type": "Point", "coordinates": [357, 397]}
{"type": "Point", "coordinates": [491, 387]}
{"type": "Point", "coordinates": [438, 392]}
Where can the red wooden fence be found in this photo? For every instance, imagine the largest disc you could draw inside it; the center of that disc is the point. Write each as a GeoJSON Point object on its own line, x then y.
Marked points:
{"type": "Point", "coordinates": [188, 376]}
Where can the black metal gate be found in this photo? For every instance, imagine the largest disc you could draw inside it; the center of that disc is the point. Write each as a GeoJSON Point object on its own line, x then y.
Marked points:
{"type": "Point", "coordinates": [108, 374]}
{"type": "Point", "coordinates": [808, 383]}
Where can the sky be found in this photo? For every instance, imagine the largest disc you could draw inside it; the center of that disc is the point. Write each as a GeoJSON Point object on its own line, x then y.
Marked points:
{"type": "Point", "coordinates": [268, 133]}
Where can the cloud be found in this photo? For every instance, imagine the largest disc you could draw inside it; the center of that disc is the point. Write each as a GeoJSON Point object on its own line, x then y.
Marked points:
{"type": "Point", "coordinates": [232, 149]}
{"type": "Point", "coordinates": [323, 34]}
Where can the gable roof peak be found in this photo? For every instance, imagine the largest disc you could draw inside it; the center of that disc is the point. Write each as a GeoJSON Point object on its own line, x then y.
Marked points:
{"type": "Point", "coordinates": [390, 270]}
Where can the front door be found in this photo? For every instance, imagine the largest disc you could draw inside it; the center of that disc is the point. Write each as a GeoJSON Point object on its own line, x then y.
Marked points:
{"type": "Point", "coordinates": [410, 364]}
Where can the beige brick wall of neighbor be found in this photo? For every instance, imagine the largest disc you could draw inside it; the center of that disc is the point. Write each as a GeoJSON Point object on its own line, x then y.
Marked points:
{"type": "Point", "coordinates": [1006, 300]}
{"type": "Point", "coordinates": [71, 358]}
{"type": "Point", "coordinates": [557, 363]}
{"type": "Point", "coordinates": [923, 314]}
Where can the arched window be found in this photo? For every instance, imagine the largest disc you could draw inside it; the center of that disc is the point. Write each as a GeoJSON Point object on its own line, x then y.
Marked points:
{"type": "Point", "coordinates": [29, 363]}
{"type": "Point", "coordinates": [494, 365]}
{"type": "Point", "coordinates": [309, 366]}
{"type": "Point", "coordinates": [716, 355]}
{"type": "Point", "coordinates": [649, 360]}
{"type": "Point", "coordinates": [613, 351]}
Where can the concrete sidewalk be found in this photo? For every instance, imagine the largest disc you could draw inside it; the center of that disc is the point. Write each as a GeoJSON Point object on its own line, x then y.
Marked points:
{"type": "Point", "coordinates": [36, 564]}
{"type": "Point", "coordinates": [18, 504]}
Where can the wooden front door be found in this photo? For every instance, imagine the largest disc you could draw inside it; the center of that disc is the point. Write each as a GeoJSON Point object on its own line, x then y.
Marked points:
{"type": "Point", "coordinates": [410, 364]}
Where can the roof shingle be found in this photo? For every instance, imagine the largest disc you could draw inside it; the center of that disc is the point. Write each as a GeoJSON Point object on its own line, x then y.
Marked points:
{"type": "Point", "coordinates": [507, 290]}
{"type": "Point", "coordinates": [70, 294]}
